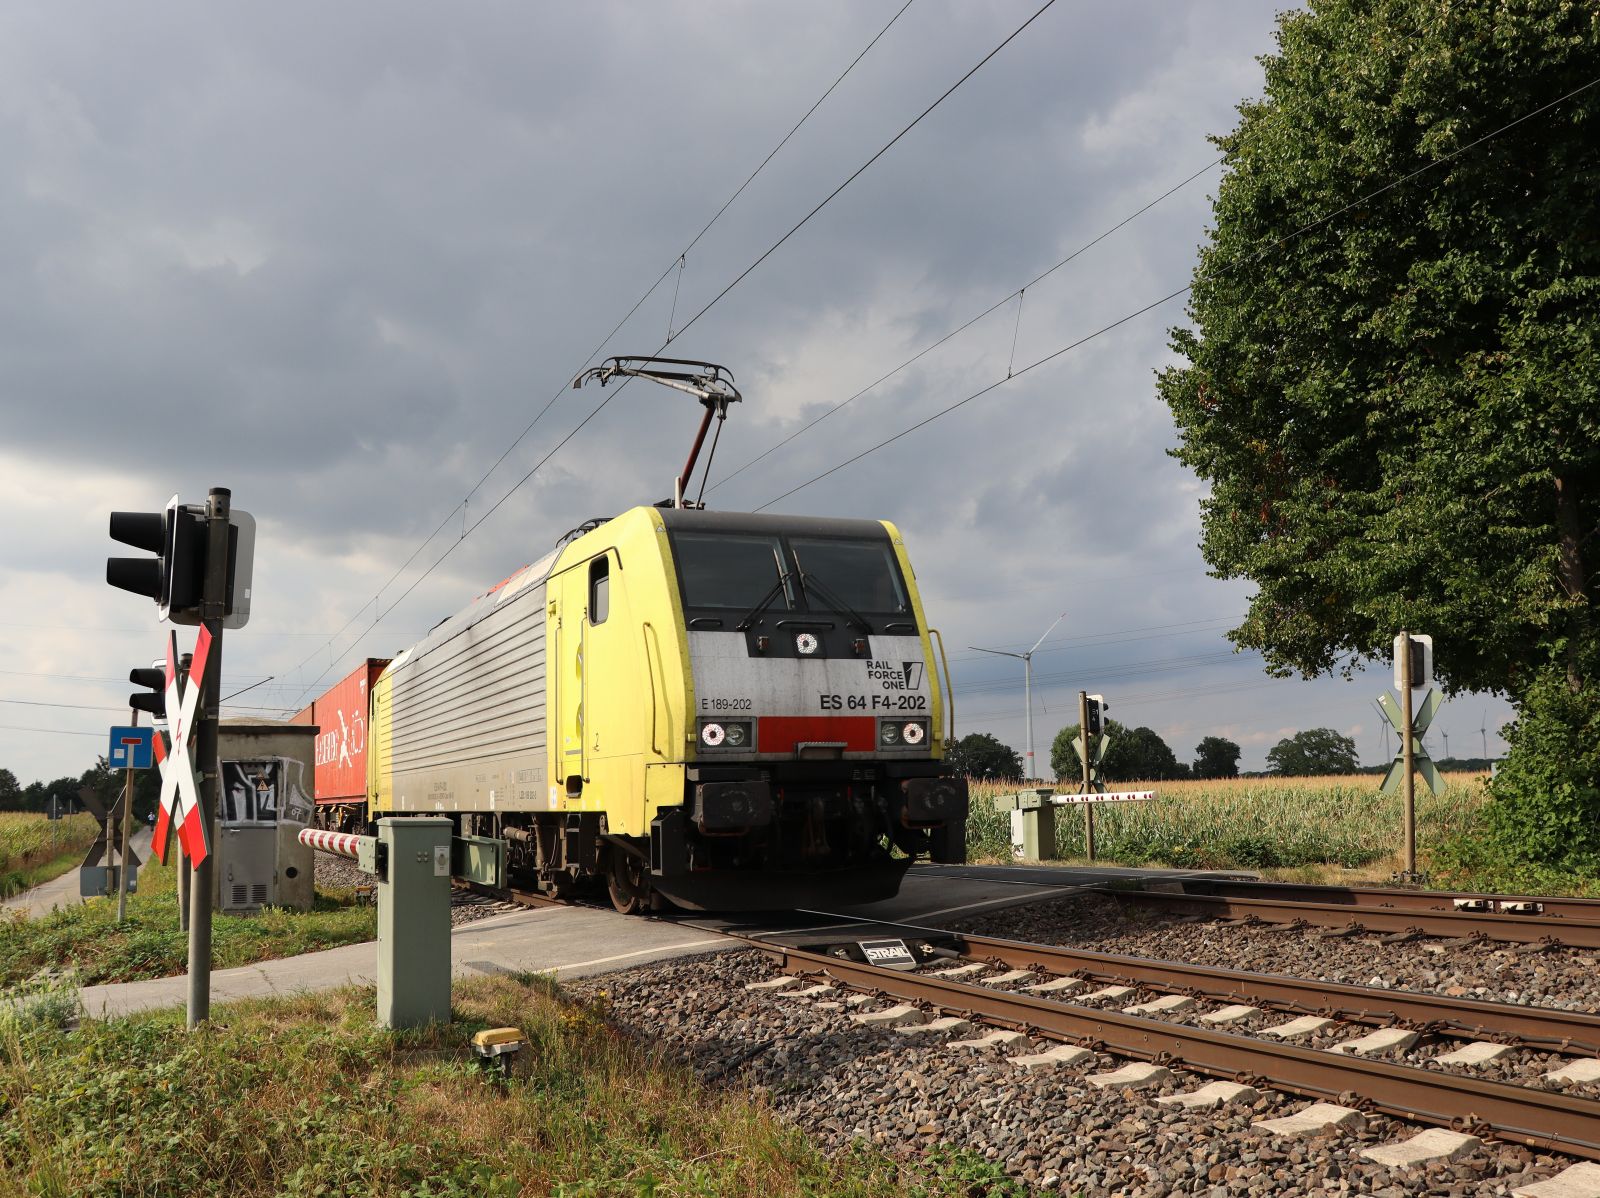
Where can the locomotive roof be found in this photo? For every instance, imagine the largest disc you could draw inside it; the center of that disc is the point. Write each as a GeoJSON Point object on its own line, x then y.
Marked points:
{"type": "Point", "coordinates": [759, 522]}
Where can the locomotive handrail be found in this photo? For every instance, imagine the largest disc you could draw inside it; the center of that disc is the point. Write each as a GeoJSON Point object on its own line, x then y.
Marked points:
{"type": "Point", "coordinates": [949, 687]}
{"type": "Point", "coordinates": [650, 672]}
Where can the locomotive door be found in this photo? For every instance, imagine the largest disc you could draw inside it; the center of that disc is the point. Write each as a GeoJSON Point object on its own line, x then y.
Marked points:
{"type": "Point", "coordinates": [568, 618]}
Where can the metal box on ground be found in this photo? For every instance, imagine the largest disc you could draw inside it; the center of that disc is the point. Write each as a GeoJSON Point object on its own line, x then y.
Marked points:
{"type": "Point", "coordinates": [268, 778]}
{"type": "Point", "coordinates": [414, 921]}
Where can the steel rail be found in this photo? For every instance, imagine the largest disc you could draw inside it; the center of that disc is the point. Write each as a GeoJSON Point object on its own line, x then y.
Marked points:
{"type": "Point", "coordinates": [509, 894]}
{"type": "Point", "coordinates": [1545, 1028]}
{"type": "Point", "coordinates": [1364, 897]}
{"type": "Point", "coordinates": [1539, 1118]}
{"type": "Point", "coordinates": [1512, 929]}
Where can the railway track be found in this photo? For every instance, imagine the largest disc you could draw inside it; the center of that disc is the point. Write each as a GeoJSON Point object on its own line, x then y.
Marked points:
{"type": "Point", "coordinates": [1177, 1017]}
{"type": "Point", "coordinates": [1392, 898]}
{"type": "Point", "coordinates": [1346, 910]}
{"type": "Point", "coordinates": [1404, 918]}
{"type": "Point", "coordinates": [1353, 1050]}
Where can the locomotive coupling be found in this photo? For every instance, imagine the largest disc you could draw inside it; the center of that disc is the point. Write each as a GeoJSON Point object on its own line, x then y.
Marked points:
{"type": "Point", "coordinates": [732, 806]}
{"type": "Point", "coordinates": [934, 800]}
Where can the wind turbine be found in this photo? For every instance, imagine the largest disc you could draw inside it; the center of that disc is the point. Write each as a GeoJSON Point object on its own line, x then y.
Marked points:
{"type": "Point", "coordinates": [1383, 726]}
{"type": "Point", "coordinates": [1027, 685]}
{"type": "Point", "coordinates": [1483, 731]}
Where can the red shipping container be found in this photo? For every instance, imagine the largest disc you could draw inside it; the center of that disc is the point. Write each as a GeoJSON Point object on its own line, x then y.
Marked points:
{"type": "Point", "coordinates": [341, 716]}
{"type": "Point", "coordinates": [303, 716]}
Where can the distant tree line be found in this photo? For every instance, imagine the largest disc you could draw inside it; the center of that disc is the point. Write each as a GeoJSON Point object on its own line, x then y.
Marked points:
{"type": "Point", "coordinates": [106, 784]}
{"type": "Point", "coordinates": [1141, 755]}
{"type": "Point", "coordinates": [1134, 754]}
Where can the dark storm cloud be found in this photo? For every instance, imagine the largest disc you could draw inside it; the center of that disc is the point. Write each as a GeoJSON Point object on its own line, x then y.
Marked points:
{"type": "Point", "coordinates": [338, 257]}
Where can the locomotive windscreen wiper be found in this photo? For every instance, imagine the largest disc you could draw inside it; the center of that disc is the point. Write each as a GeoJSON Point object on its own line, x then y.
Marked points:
{"type": "Point", "coordinates": [808, 581]}
{"type": "Point", "coordinates": [763, 603]}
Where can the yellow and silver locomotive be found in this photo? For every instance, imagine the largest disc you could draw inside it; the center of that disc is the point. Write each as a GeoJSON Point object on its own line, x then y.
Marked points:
{"type": "Point", "coordinates": [724, 710]}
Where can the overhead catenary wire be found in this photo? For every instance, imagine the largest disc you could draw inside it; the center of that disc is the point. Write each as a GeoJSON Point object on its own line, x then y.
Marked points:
{"type": "Point", "coordinates": [678, 262]}
{"type": "Point", "coordinates": [65, 706]}
{"type": "Point", "coordinates": [862, 169]}
{"type": "Point", "coordinates": [722, 294]}
{"type": "Point", "coordinates": [1091, 640]}
{"type": "Point", "coordinates": [1254, 258]}
{"type": "Point", "coordinates": [52, 731]}
{"type": "Point", "coordinates": [1136, 669]}
{"type": "Point", "coordinates": [967, 324]}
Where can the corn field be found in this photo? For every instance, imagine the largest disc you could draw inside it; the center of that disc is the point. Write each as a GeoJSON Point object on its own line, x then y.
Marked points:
{"type": "Point", "coordinates": [28, 841]}
{"type": "Point", "coordinates": [1243, 823]}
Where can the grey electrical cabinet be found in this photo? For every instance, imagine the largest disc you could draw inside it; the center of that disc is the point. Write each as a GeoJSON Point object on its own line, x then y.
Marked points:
{"type": "Point", "coordinates": [267, 782]}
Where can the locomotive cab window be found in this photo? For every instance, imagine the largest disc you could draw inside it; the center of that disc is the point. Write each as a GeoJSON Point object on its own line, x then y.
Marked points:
{"type": "Point", "coordinates": [859, 574]}
{"type": "Point", "coordinates": [599, 589]}
{"type": "Point", "coordinates": [731, 571]}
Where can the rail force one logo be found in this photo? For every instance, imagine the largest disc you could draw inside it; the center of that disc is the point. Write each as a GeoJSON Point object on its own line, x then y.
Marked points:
{"type": "Point", "coordinates": [896, 675]}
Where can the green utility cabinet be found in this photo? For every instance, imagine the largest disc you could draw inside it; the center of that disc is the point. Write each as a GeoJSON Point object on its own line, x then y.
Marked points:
{"type": "Point", "coordinates": [1033, 823]}
{"type": "Point", "coordinates": [411, 857]}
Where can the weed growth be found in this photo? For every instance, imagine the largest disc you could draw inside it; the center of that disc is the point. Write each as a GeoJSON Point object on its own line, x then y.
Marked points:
{"type": "Point", "coordinates": [303, 1096]}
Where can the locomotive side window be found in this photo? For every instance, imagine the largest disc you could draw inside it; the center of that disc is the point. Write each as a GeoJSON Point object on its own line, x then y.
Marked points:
{"type": "Point", "coordinates": [734, 572]}
{"type": "Point", "coordinates": [862, 574]}
{"type": "Point", "coordinates": [599, 589]}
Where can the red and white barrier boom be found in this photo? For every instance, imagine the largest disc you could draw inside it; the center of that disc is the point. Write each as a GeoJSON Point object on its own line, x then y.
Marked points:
{"type": "Point", "coordinates": [340, 844]}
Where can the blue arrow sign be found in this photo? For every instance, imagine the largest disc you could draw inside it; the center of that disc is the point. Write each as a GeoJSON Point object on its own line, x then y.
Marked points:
{"type": "Point", "coordinates": [130, 748]}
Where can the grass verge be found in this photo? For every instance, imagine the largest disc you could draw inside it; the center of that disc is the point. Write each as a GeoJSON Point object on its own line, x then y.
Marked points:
{"type": "Point", "coordinates": [86, 940]}
{"type": "Point", "coordinates": [305, 1096]}
{"type": "Point", "coordinates": [34, 849]}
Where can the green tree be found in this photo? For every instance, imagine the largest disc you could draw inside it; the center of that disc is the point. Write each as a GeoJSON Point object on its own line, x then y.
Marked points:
{"type": "Point", "coordinates": [982, 755]}
{"type": "Point", "coordinates": [1216, 757]}
{"type": "Point", "coordinates": [1135, 754]}
{"type": "Point", "coordinates": [36, 795]}
{"type": "Point", "coordinates": [100, 778]}
{"type": "Point", "coordinates": [1393, 392]}
{"type": "Point", "coordinates": [10, 791]}
{"type": "Point", "coordinates": [1314, 751]}
{"type": "Point", "coordinates": [1145, 757]}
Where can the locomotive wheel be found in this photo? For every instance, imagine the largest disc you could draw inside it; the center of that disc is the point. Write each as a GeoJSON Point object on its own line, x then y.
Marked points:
{"type": "Point", "coordinates": [628, 882]}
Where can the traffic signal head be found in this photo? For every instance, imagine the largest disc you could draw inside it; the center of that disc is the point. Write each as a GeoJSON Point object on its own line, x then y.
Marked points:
{"type": "Point", "coordinates": [1097, 705]}
{"type": "Point", "coordinates": [156, 681]}
{"type": "Point", "coordinates": [175, 576]}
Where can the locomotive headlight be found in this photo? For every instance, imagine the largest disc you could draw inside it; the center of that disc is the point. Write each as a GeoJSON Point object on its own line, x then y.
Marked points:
{"type": "Point", "coordinates": [712, 735]}
{"type": "Point", "coordinates": [890, 734]}
{"type": "Point", "coordinates": [738, 734]}
{"type": "Point", "coordinates": [913, 733]}
{"type": "Point", "coordinates": [805, 644]}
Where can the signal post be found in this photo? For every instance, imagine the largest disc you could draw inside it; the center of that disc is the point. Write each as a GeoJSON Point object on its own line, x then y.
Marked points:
{"type": "Point", "coordinates": [201, 575]}
{"type": "Point", "coordinates": [1090, 740]}
{"type": "Point", "coordinates": [1413, 671]}
{"type": "Point", "coordinates": [213, 606]}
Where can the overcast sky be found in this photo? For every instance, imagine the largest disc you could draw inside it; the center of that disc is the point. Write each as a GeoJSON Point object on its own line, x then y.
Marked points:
{"type": "Point", "coordinates": [338, 257]}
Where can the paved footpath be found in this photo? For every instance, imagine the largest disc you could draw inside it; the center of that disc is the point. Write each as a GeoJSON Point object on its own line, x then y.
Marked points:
{"type": "Point", "coordinates": [569, 942]}
{"type": "Point", "coordinates": [63, 891]}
